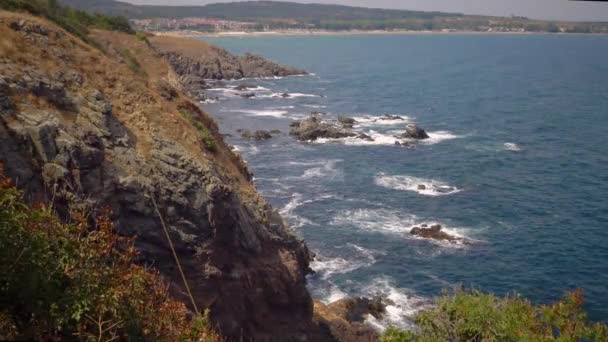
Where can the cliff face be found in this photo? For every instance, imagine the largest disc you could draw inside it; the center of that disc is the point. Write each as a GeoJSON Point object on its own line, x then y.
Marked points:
{"type": "Point", "coordinates": [82, 128]}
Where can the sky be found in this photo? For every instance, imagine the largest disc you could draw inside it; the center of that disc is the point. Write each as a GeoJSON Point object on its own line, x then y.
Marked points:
{"type": "Point", "coordinates": [537, 9]}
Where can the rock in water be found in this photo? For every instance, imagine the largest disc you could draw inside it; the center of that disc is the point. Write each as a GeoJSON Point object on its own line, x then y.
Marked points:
{"type": "Point", "coordinates": [414, 132]}
{"type": "Point", "coordinates": [285, 95]}
{"type": "Point", "coordinates": [346, 120]}
{"type": "Point", "coordinates": [257, 135]}
{"type": "Point", "coordinates": [247, 95]}
{"type": "Point", "coordinates": [435, 233]}
{"type": "Point", "coordinates": [421, 187]}
{"type": "Point", "coordinates": [314, 128]}
{"type": "Point", "coordinates": [244, 86]}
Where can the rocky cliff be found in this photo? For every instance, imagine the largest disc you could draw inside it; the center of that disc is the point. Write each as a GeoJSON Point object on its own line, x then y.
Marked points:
{"type": "Point", "coordinates": [111, 127]}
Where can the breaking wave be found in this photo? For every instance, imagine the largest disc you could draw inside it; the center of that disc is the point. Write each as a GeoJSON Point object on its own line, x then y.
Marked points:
{"type": "Point", "coordinates": [427, 187]}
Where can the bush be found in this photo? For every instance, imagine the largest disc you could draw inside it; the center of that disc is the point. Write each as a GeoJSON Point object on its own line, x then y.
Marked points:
{"type": "Point", "coordinates": [192, 115]}
{"type": "Point", "coordinates": [475, 316]}
{"type": "Point", "coordinates": [73, 281]}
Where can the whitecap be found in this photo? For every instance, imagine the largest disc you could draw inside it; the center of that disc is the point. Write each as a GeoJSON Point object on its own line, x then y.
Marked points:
{"type": "Point", "coordinates": [371, 120]}
{"type": "Point", "coordinates": [439, 136]}
{"type": "Point", "coordinates": [327, 170]}
{"type": "Point", "coordinates": [398, 224]}
{"type": "Point", "coordinates": [268, 112]}
{"type": "Point", "coordinates": [314, 106]}
{"type": "Point", "coordinates": [427, 187]}
{"type": "Point", "coordinates": [402, 304]}
{"type": "Point", "coordinates": [326, 267]}
{"type": "Point", "coordinates": [511, 147]}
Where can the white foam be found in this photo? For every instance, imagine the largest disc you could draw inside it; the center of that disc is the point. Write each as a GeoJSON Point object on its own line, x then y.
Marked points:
{"type": "Point", "coordinates": [325, 267]}
{"type": "Point", "coordinates": [408, 183]}
{"type": "Point", "coordinates": [398, 224]}
{"type": "Point", "coordinates": [370, 120]}
{"type": "Point", "coordinates": [314, 106]}
{"type": "Point", "coordinates": [273, 113]}
{"type": "Point", "coordinates": [209, 101]}
{"type": "Point", "coordinates": [511, 147]}
{"type": "Point", "coordinates": [439, 136]}
{"type": "Point", "coordinates": [326, 170]}
{"type": "Point", "coordinates": [402, 304]}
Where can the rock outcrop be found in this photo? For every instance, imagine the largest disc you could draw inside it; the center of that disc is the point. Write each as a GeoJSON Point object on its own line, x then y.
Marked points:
{"type": "Point", "coordinates": [346, 318]}
{"type": "Point", "coordinates": [191, 57]}
{"type": "Point", "coordinates": [86, 130]}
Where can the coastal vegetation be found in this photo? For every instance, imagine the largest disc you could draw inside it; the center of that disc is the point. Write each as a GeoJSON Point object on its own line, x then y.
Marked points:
{"type": "Point", "coordinates": [77, 22]}
{"type": "Point", "coordinates": [72, 276]}
{"type": "Point", "coordinates": [70, 280]}
{"type": "Point", "coordinates": [476, 316]}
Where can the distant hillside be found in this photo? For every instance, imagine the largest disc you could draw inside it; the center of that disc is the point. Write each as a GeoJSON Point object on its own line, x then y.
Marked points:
{"type": "Point", "coordinates": [276, 15]}
{"type": "Point", "coordinates": [251, 10]}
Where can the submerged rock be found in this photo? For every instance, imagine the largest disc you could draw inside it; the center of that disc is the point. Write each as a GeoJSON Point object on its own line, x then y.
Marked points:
{"type": "Point", "coordinates": [285, 95]}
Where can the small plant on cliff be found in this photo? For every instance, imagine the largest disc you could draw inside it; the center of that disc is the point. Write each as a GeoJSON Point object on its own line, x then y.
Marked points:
{"type": "Point", "coordinates": [193, 115]}
{"type": "Point", "coordinates": [73, 281]}
{"type": "Point", "coordinates": [475, 316]}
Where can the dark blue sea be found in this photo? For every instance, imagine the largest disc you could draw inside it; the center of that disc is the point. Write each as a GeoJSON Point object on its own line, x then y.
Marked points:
{"type": "Point", "coordinates": [517, 162]}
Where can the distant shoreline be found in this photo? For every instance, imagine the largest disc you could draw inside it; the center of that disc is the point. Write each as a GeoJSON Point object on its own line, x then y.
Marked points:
{"type": "Point", "coordinates": [195, 34]}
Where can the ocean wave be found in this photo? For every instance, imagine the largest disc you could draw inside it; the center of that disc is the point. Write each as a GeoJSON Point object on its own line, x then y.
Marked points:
{"type": "Point", "coordinates": [398, 224]}
{"type": "Point", "coordinates": [267, 112]}
{"type": "Point", "coordinates": [371, 120]}
{"type": "Point", "coordinates": [314, 106]}
{"type": "Point", "coordinates": [511, 147]}
{"type": "Point", "coordinates": [327, 169]}
{"type": "Point", "coordinates": [287, 211]}
{"type": "Point", "coordinates": [427, 187]}
{"type": "Point", "coordinates": [440, 136]}
{"type": "Point", "coordinates": [402, 304]}
{"type": "Point", "coordinates": [325, 267]}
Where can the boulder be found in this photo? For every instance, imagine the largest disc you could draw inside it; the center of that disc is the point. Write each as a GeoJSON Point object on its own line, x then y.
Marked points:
{"type": "Point", "coordinates": [414, 132]}
{"type": "Point", "coordinates": [421, 187]}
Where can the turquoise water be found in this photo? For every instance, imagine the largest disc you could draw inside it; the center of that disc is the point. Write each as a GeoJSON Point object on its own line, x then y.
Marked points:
{"type": "Point", "coordinates": [519, 133]}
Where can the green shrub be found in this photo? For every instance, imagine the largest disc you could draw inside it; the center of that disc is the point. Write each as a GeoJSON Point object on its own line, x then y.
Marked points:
{"type": "Point", "coordinates": [475, 316]}
{"type": "Point", "coordinates": [142, 38]}
{"type": "Point", "coordinates": [131, 61]}
{"type": "Point", "coordinates": [74, 21]}
{"type": "Point", "coordinates": [76, 282]}
{"type": "Point", "coordinates": [205, 134]}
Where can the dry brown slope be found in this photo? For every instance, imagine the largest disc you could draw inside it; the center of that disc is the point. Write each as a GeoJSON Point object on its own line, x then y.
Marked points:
{"type": "Point", "coordinates": [85, 128]}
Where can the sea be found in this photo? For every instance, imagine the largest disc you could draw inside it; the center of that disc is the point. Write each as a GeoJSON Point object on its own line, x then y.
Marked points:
{"type": "Point", "coordinates": [516, 163]}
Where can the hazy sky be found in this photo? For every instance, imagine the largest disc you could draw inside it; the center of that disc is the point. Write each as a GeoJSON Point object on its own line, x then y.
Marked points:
{"type": "Point", "coordinates": [539, 9]}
